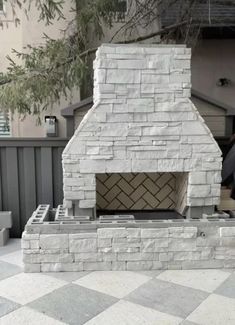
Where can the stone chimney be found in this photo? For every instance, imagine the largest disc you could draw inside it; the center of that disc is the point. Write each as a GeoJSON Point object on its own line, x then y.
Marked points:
{"type": "Point", "coordinates": [142, 122]}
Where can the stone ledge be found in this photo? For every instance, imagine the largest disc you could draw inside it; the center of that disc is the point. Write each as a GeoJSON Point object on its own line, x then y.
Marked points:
{"type": "Point", "coordinates": [181, 245]}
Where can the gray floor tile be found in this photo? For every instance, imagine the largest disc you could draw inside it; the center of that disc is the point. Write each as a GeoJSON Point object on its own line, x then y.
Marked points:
{"type": "Point", "coordinates": [73, 304]}
{"type": "Point", "coordinates": [7, 306]}
{"type": "Point", "coordinates": [228, 287]}
{"type": "Point", "coordinates": [12, 245]}
{"type": "Point", "coordinates": [7, 270]}
{"type": "Point", "coordinates": [67, 276]}
{"type": "Point", "coordinates": [167, 297]}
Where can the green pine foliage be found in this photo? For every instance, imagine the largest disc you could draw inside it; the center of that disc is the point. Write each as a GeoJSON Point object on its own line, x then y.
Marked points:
{"type": "Point", "coordinates": [55, 69]}
{"type": "Point", "coordinates": [48, 72]}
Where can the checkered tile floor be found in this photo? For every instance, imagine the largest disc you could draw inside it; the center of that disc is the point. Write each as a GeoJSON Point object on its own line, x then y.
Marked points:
{"type": "Point", "coordinates": [113, 298]}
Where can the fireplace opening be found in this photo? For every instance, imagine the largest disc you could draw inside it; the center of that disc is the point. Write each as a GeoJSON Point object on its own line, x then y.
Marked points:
{"type": "Point", "coordinates": [143, 195]}
{"type": "Point", "coordinates": [159, 214]}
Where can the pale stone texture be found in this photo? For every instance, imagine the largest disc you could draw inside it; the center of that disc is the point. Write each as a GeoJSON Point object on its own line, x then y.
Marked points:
{"type": "Point", "coordinates": [128, 248]}
{"type": "Point", "coordinates": [141, 96]}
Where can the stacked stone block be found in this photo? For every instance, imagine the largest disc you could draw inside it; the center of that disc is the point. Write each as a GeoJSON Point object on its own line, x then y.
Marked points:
{"type": "Point", "coordinates": [126, 248]}
{"type": "Point", "coordinates": [142, 121]}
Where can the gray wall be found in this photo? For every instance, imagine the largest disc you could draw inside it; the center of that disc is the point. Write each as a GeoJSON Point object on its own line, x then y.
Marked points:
{"type": "Point", "coordinates": [30, 174]}
{"type": "Point", "coordinates": [211, 60]}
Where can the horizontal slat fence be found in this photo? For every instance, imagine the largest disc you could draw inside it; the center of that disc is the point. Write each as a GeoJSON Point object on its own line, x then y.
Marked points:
{"type": "Point", "coordinates": [30, 174]}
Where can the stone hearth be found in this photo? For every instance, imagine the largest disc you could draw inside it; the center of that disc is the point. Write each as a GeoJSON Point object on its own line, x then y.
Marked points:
{"type": "Point", "coordinates": [122, 243]}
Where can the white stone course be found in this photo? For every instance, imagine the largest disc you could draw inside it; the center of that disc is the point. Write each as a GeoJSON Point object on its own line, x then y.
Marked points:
{"type": "Point", "coordinates": [132, 249]}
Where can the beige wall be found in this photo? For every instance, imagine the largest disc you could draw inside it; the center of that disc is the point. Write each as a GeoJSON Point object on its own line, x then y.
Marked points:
{"type": "Point", "coordinates": [211, 60]}
{"type": "Point", "coordinates": [10, 35]}
{"type": "Point", "coordinates": [30, 31]}
{"type": "Point", "coordinates": [29, 127]}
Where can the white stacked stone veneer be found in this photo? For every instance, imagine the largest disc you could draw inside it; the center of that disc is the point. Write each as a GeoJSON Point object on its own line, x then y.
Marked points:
{"type": "Point", "coordinates": [186, 246]}
{"type": "Point", "coordinates": [142, 121]}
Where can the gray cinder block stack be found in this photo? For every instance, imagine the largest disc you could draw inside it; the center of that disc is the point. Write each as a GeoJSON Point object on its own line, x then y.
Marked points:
{"type": "Point", "coordinates": [5, 225]}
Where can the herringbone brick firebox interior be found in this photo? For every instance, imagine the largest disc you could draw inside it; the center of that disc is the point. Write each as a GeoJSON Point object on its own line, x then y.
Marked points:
{"type": "Point", "coordinates": [138, 191]}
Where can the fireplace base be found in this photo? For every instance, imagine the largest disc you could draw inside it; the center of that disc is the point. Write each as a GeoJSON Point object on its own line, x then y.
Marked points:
{"type": "Point", "coordinates": [78, 244]}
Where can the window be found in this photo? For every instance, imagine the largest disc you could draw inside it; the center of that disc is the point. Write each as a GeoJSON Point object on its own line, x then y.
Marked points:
{"type": "Point", "coordinates": [4, 125]}
{"type": "Point", "coordinates": [120, 10]}
{"type": "Point", "coordinates": [1, 5]}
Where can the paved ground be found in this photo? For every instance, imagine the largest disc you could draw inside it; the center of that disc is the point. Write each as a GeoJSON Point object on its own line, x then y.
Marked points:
{"type": "Point", "coordinates": [113, 298]}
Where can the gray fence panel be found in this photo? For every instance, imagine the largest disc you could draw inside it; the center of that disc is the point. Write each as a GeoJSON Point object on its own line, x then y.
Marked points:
{"type": "Point", "coordinates": [30, 194]}
{"type": "Point", "coordinates": [46, 175]}
{"type": "Point", "coordinates": [30, 174]}
{"type": "Point", "coordinates": [13, 193]}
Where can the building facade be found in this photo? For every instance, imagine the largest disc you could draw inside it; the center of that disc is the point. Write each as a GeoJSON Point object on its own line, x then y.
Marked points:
{"type": "Point", "coordinates": [16, 36]}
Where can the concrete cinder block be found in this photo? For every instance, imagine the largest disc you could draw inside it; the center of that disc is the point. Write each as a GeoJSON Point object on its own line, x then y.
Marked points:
{"type": "Point", "coordinates": [4, 236]}
{"type": "Point", "coordinates": [5, 219]}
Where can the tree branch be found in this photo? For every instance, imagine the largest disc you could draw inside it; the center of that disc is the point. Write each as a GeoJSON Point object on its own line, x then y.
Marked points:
{"type": "Point", "coordinates": [151, 35]}
{"type": "Point", "coordinates": [135, 40]}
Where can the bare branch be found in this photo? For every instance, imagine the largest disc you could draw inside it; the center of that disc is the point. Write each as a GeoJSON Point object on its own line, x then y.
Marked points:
{"type": "Point", "coordinates": [151, 35]}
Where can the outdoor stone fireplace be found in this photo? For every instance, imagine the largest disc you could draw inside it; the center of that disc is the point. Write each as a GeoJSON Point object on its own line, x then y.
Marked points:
{"type": "Point", "coordinates": [142, 121]}
{"type": "Point", "coordinates": [143, 146]}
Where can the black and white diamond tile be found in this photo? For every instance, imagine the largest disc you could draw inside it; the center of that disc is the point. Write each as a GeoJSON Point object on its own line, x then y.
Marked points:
{"type": "Point", "coordinates": [167, 297]}
{"type": "Point", "coordinates": [188, 297]}
{"type": "Point", "coordinates": [73, 304]}
{"type": "Point", "coordinates": [7, 306]}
